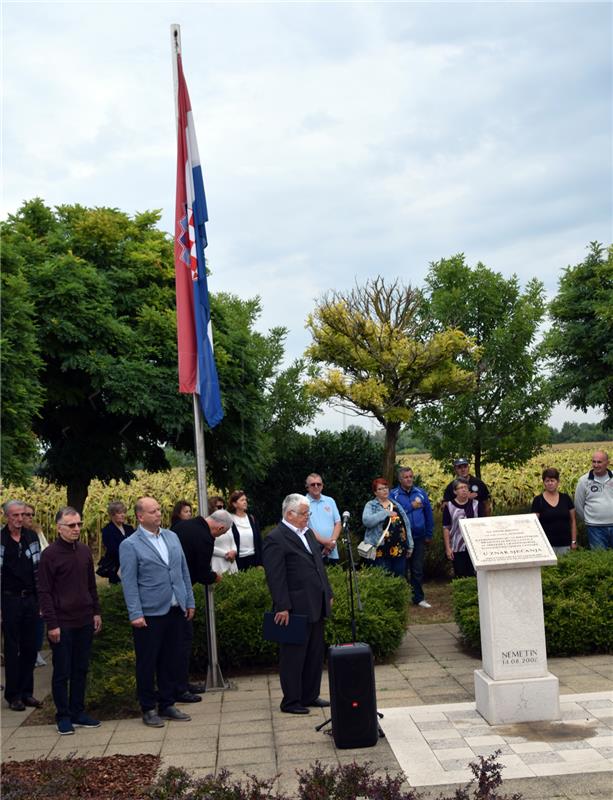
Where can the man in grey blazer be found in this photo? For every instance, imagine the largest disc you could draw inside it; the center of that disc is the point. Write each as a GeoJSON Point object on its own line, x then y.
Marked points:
{"type": "Point", "coordinates": [158, 593]}
{"type": "Point", "coordinates": [298, 584]}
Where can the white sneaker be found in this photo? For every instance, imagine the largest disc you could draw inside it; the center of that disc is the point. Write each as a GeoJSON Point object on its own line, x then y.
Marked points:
{"type": "Point", "coordinates": [424, 604]}
{"type": "Point", "coordinates": [40, 661]}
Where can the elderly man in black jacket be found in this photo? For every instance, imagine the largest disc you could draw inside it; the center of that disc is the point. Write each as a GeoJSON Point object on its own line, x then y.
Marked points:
{"type": "Point", "coordinates": [19, 560]}
{"type": "Point", "coordinates": [197, 537]}
{"type": "Point", "coordinates": [298, 583]}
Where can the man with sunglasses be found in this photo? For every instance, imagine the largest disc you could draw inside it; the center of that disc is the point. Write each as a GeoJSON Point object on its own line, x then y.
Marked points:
{"type": "Point", "coordinates": [19, 561]}
{"type": "Point", "coordinates": [69, 605]}
{"type": "Point", "coordinates": [324, 519]}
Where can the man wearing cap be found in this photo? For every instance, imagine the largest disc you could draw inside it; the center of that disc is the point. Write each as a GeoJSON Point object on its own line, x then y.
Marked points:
{"type": "Point", "coordinates": [477, 489]}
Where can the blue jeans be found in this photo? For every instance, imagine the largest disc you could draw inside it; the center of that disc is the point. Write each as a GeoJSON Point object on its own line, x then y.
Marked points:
{"type": "Point", "coordinates": [600, 536]}
{"type": "Point", "coordinates": [70, 665]}
{"type": "Point", "coordinates": [415, 568]}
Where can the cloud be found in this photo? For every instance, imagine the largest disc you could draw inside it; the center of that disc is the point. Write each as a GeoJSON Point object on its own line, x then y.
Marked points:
{"type": "Point", "coordinates": [338, 140]}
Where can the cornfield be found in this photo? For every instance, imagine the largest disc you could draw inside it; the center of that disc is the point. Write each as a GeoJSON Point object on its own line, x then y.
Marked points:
{"type": "Point", "coordinates": [166, 487]}
{"type": "Point", "coordinates": [511, 488]}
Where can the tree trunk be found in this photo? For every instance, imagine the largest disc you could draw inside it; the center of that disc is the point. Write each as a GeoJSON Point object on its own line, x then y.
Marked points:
{"type": "Point", "coordinates": [392, 431]}
{"type": "Point", "coordinates": [477, 455]}
{"type": "Point", "coordinates": [76, 493]}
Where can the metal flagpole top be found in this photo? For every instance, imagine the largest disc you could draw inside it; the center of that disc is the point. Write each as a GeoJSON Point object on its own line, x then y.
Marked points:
{"type": "Point", "coordinates": [175, 38]}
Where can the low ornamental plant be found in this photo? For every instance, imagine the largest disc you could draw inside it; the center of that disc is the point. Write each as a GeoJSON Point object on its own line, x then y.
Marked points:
{"type": "Point", "coordinates": [319, 782]}
{"type": "Point", "coordinates": [124, 777]}
{"type": "Point", "coordinates": [577, 602]}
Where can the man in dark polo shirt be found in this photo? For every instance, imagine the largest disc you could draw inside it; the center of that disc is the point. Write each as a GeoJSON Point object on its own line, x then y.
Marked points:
{"type": "Point", "coordinates": [19, 559]}
{"type": "Point", "coordinates": [477, 489]}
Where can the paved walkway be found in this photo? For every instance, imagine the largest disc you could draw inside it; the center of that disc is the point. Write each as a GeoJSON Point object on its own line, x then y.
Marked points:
{"type": "Point", "coordinates": [242, 729]}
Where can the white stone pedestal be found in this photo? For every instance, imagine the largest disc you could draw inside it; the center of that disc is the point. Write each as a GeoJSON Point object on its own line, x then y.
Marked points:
{"type": "Point", "coordinates": [514, 684]}
{"type": "Point", "coordinates": [518, 700]}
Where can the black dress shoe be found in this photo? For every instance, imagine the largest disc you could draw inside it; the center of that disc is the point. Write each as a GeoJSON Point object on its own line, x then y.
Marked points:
{"type": "Point", "coordinates": [17, 705]}
{"type": "Point", "coordinates": [319, 702]}
{"type": "Point", "coordinates": [151, 718]}
{"type": "Point", "coordinates": [172, 712]}
{"type": "Point", "coordinates": [32, 702]}
{"type": "Point", "coordinates": [196, 688]}
{"type": "Point", "coordinates": [295, 710]}
{"type": "Point", "coordinates": [188, 697]}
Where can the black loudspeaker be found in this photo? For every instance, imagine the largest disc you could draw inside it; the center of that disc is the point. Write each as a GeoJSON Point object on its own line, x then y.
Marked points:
{"type": "Point", "coordinates": [353, 701]}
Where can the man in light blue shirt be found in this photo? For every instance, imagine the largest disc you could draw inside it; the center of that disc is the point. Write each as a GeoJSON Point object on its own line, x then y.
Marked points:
{"type": "Point", "coordinates": [324, 519]}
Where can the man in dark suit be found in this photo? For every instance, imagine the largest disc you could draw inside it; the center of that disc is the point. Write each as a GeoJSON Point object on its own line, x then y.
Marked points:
{"type": "Point", "coordinates": [298, 584]}
{"type": "Point", "coordinates": [158, 593]}
{"type": "Point", "coordinates": [197, 537]}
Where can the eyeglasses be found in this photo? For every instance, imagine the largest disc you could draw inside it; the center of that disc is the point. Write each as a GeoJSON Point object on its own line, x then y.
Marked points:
{"type": "Point", "coordinates": [219, 507]}
{"type": "Point", "coordinates": [301, 513]}
{"type": "Point", "coordinates": [72, 524]}
{"type": "Point", "coordinates": [315, 484]}
{"type": "Point", "coordinates": [28, 513]}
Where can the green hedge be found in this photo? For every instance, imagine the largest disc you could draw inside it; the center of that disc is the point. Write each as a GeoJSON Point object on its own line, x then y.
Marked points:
{"type": "Point", "coordinates": [577, 601]}
{"type": "Point", "coordinates": [240, 602]}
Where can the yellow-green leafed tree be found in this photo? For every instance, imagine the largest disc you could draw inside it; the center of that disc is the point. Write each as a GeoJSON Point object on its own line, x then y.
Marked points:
{"type": "Point", "coordinates": [380, 358]}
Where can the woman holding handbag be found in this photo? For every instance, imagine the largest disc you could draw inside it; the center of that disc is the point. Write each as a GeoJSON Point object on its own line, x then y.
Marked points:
{"type": "Point", "coordinates": [387, 529]}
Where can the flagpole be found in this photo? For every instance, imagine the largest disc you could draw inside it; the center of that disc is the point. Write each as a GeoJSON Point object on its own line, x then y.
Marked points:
{"type": "Point", "coordinates": [215, 680]}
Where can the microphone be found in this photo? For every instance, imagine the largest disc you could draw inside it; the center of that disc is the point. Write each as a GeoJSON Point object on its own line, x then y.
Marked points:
{"type": "Point", "coordinates": [346, 516]}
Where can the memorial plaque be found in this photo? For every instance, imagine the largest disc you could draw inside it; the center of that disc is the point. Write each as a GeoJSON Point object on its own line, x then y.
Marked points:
{"type": "Point", "coordinates": [508, 542]}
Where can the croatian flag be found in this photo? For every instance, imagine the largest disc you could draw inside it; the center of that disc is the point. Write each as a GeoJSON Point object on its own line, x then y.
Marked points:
{"type": "Point", "coordinates": [197, 369]}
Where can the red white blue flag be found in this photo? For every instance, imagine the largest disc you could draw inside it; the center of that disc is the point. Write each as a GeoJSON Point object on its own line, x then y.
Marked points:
{"type": "Point", "coordinates": [197, 369]}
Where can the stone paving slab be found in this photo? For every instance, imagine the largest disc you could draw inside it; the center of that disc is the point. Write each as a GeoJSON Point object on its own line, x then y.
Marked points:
{"type": "Point", "coordinates": [434, 744]}
{"type": "Point", "coordinates": [430, 676]}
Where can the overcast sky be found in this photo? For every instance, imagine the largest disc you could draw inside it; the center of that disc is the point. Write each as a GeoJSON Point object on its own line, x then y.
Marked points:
{"type": "Point", "coordinates": [338, 140]}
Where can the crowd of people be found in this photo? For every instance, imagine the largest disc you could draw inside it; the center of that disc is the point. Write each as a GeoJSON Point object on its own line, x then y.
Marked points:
{"type": "Point", "coordinates": [54, 585]}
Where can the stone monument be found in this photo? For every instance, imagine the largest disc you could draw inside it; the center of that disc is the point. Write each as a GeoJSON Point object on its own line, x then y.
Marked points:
{"type": "Point", "coordinates": [514, 684]}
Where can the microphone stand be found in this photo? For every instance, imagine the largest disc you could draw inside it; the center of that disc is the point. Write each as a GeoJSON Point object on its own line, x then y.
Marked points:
{"type": "Point", "coordinates": [352, 578]}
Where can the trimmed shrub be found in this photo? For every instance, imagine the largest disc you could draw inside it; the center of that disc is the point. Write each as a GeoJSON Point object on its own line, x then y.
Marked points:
{"type": "Point", "coordinates": [383, 619]}
{"type": "Point", "coordinates": [111, 682]}
{"type": "Point", "coordinates": [240, 602]}
{"type": "Point", "coordinates": [577, 602]}
{"type": "Point", "coordinates": [466, 610]}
